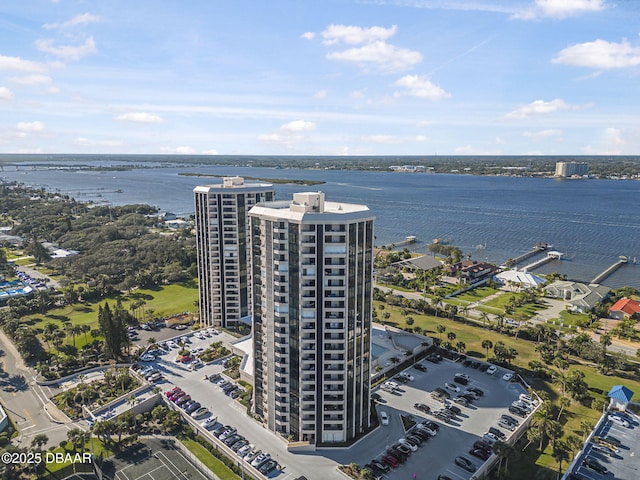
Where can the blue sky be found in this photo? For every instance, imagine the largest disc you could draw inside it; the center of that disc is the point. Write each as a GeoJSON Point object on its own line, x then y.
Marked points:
{"type": "Point", "coordinates": [320, 77]}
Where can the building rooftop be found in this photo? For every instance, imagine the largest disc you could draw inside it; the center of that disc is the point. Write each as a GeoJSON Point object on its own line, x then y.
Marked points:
{"type": "Point", "coordinates": [309, 206]}
{"type": "Point", "coordinates": [627, 306]}
{"type": "Point", "coordinates": [231, 183]}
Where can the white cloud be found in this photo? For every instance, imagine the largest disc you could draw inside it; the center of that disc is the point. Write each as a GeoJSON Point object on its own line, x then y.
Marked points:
{"type": "Point", "coordinates": [32, 80]}
{"type": "Point", "coordinates": [543, 133]}
{"type": "Point", "coordinates": [81, 19]}
{"type": "Point", "coordinates": [30, 127]}
{"type": "Point", "coordinates": [600, 54]}
{"type": "Point", "coordinates": [308, 35]}
{"type": "Point", "coordinates": [5, 94]}
{"type": "Point", "coordinates": [559, 9]}
{"type": "Point", "coordinates": [140, 117]}
{"type": "Point", "coordinates": [18, 64]}
{"type": "Point", "coordinates": [616, 141]}
{"type": "Point", "coordinates": [540, 107]}
{"type": "Point", "coordinates": [357, 95]}
{"type": "Point", "coordinates": [289, 134]}
{"type": "Point", "coordinates": [52, 90]}
{"type": "Point", "coordinates": [67, 52]}
{"type": "Point", "coordinates": [184, 150]}
{"type": "Point", "coordinates": [320, 94]}
{"type": "Point", "coordinates": [298, 126]}
{"type": "Point", "coordinates": [392, 139]}
{"type": "Point", "coordinates": [211, 152]}
{"type": "Point", "coordinates": [421, 87]}
{"type": "Point", "coordinates": [353, 35]}
{"type": "Point", "coordinates": [500, 141]}
{"type": "Point", "coordinates": [379, 56]}
{"type": "Point", "coordinates": [86, 142]}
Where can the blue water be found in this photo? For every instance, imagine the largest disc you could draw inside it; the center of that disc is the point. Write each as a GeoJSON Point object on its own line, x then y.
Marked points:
{"type": "Point", "coordinates": [377, 350]}
{"type": "Point", "coordinates": [491, 218]}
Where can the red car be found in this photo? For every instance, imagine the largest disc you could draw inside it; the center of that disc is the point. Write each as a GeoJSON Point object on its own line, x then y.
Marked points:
{"type": "Point", "coordinates": [171, 392]}
{"type": "Point", "coordinates": [389, 460]}
{"type": "Point", "coordinates": [479, 453]}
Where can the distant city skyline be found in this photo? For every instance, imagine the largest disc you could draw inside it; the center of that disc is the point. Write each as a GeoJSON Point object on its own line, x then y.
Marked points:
{"type": "Point", "coordinates": [331, 77]}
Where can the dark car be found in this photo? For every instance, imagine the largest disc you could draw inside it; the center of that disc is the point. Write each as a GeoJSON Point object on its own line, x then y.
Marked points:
{"type": "Point", "coordinates": [454, 409]}
{"type": "Point", "coordinates": [518, 411]}
{"type": "Point", "coordinates": [467, 363]}
{"type": "Point", "coordinates": [594, 464]}
{"type": "Point", "coordinates": [382, 466]}
{"type": "Point", "coordinates": [422, 407]}
{"type": "Point", "coordinates": [402, 449]}
{"type": "Point", "coordinates": [465, 463]}
{"type": "Point", "coordinates": [183, 399]}
{"type": "Point", "coordinates": [484, 367]}
{"type": "Point", "coordinates": [432, 425]}
{"type": "Point", "coordinates": [375, 469]}
{"type": "Point", "coordinates": [417, 439]}
{"type": "Point", "coordinates": [434, 358]}
{"type": "Point", "coordinates": [460, 380]}
{"type": "Point", "coordinates": [267, 467]}
{"type": "Point", "coordinates": [497, 433]}
{"type": "Point", "coordinates": [219, 430]}
{"type": "Point", "coordinates": [193, 407]}
{"type": "Point", "coordinates": [474, 365]}
{"type": "Point", "coordinates": [420, 433]}
{"type": "Point", "coordinates": [476, 390]}
{"type": "Point", "coordinates": [479, 453]}
{"type": "Point", "coordinates": [397, 454]}
{"type": "Point", "coordinates": [510, 419]}
{"type": "Point", "coordinates": [482, 445]}
{"type": "Point", "coordinates": [420, 367]}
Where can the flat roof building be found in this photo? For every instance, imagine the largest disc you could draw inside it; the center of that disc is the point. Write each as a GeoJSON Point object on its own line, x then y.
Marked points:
{"type": "Point", "coordinates": [222, 244]}
{"type": "Point", "coordinates": [312, 309]}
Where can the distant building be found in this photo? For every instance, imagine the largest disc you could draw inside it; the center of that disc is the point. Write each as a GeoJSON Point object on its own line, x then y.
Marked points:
{"type": "Point", "coordinates": [312, 309]}
{"type": "Point", "coordinates": [625, 308]}
{"type": "Point", "coordinates": [580, 297]}
{"type": "Point", "coordinates": [222, 247]}
{"type": "Point", "coordinates": [570, 169]}
{"type": "Point", "coordinates": [471, 271]}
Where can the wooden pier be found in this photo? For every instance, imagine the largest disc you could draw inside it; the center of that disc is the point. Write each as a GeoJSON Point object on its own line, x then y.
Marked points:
{"type": "Point", "coordinates": [554, 255]}
{"type": "Point", "coordinates": [611, 269]}
{"type": "Point", "coordinates": [407, 241]}
{"type": "Point", "coordinates": [537, 248]}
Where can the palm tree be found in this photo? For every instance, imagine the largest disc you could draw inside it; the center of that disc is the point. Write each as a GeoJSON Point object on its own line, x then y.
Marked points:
{"type": "Point", "coordinates": [451, 336]}
{"type": "Point", "coordinates": [560, 454]}
{"type": "Point", "coordinates": [39, 441]}
{"type": "Point", "coordinates": [573, 443]}
{"type": "Point", "coordinates": [542, 422]}
{"type": "Point", "coordinates": [487, 345]}
{"type": "Point", "coordinates": [585, 428]}
{"type": "Point", "coordinates": [461, 346]}
{"type": "Point", "coordinates": [441, 329]}
{"type": "Point", "coordinates": [564, 403]}
{"type": "Point", "coordinates": [485, 318]}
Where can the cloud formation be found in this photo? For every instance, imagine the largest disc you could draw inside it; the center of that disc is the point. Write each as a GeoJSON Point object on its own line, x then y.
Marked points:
{"type": "Point", "coordinates": [288, 134]}
{"type": "Point", "coordinates": [140, 117]}
{"type": "Point", "coordinates": [5, 94]}
{"type": "Point", "coordinates": [540, 107]}
{"type": "Point", "coordinates": [30, 127]}
{"type": "Point", "coordinates": [32, 80]}
{"type": "Point", "coordinates": [543, 133]}
{"type": "Point", "coordinates": [379, 56]}
{"type": "Point", "coordinates": [81, 19]}
{"type": "Point", "coordinates": [86, 142]}
{"type": "Point", "coordinates": [298, 126]}
{"type": "Point", "coordinates": [600, 54]}
{"type": "Point", "coordinates": [67, 52]}
{"type": "Point", "coordinates": [421, 87]}
{"type": "Point", "coordinates": [560, 9]}
{"type": "Point", "coordinates": [20, 65]}
{"type": "Point", "coordinates": [352, 35]}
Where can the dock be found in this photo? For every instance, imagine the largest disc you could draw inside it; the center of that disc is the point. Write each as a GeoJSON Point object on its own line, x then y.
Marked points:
{"type": "Point", "coordinates": [622, 260]}
{"type": "Point", "coordinates": [537, 248]}
{"type": "Point", "coordinates": [407, 241]}
{"type": "Point", "coordinates": [554, 255]}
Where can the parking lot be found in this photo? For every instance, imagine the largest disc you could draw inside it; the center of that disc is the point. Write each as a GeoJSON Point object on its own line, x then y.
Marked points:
{"type": "Point", "coordinates": [454, 437]}
{"type": "Point", "coordinates": [612, 447]}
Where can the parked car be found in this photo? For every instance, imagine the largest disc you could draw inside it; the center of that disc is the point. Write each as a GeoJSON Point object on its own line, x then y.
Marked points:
{"type": "Point", "coordinates": [507, 377]}
{"type": "Point", "coordinates": [200, 412]}
{"type": "Point", "coordinates": [461, 401]}
{"type": "Point", "coordinates": [476, 390]}
{"type": "Point", "coordinates": [243, 451]}
{"type": "Point", "coordinates": [483, 445]}
{"type": "Point", "coordinates": [427, 428]}
{"type": "Point", "coordinates": [407, 376]}
{"type": "Point", "coordinates": [504, 423]}
{"type": "Point", "coordinates": [227, 433]}
{"type": "Point", "coordinates": [465, 463]}
{"type": "Point", "coordinates": [603, 449]}
{"type": "Point", "coordinates": [454, 409]}
{"type": "Point", "coordinates": [422, 407]}
{"type": "Point", "coordinates": [382, 466]}
{"type": "Point", "coordinates": [404, 442]}
{"type": "Point", "coordinates": [510, 419]}
{"type": "Point", "coordinates": [492, 369]}
{"type": "Point", "coordinates": [479, 453]}
{"type": "Point", "coordinates": [594, 464]}
{"type": "Point", "coordinates": [260, 459]}
{"type": "Point", "coordinates": [389, 460]}
{"type": "Point", "coordinates": [147, 358]}
{"type": "Point", "coordinates": [452, 387]}
{"type": "Point", "coordinates": [231, 439]}
{"type": "Point", "coordinates": [497, 433]}
{"type": "Point", "coordinates": [209, 423]}
{"type": "Point", "coordinates": [434, 358]}
{"type": "Point", "coordinates": [193, 407]}
{"type": "Point", "coordinates": [619, 421]}
{"type": "Point", "coordinates": [489, 438]}
{"type": "Point", "coordinates": [420, 367]}
{"type": "Point", "coordinates": [460, 379]}
{"type": "Point", "coordinates": [518, 411]}
{"type": "Point", "coordinates": [267, 467]}
{"type": "Point", "coordinates": [182, 400]}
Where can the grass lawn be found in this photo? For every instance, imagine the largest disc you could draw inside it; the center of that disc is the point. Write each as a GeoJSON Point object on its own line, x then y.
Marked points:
{"type": "Point", "coordinates": [476, 294]}
{"type": "Point", "coordinates": [497, 305]}
{"type": "Point", "coordinates": [215, 465]}
{"type": "Point", "coordinates": [94, 446]}
{"type": "Point", "coordinates": [165, 301]}
{"type": "Point", "coordinates": [574, 319]}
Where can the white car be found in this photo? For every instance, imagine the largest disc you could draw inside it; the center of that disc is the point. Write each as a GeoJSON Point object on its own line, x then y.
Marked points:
{"type": "Point", "coordinates": [172, 344]}
{"type": "Point", "coordinates": [209, 422]}
{"type": "Point", "coordinates": [384, 418]}
{"type": "Point", "coordinates": [426, 429]}
{"type": "Point", "coordinates": [492, 369]}
{"type": "Point", "coordinates": [452, 387]}
{"type": "Point", "coordinates": [260, 459]}
{"type": "Point", "coordinates": [528, 399]}
{"type": "Point", "coordinates": [147, 358]}
{"type": "Point", "coordinates": [507, 377]}
{"type": "Point", "coordinates": [619, 421]}
{"type": "Point", "coordinates": [245, 450]}
{"type": "Point", "coordinates": [406, 375]}
{"type": "Point", "coordinates": [490, 438]}
{"type": "Point", "coordinates": [199, 335]}
{"type": "Point", "coordinates": [409, 445]}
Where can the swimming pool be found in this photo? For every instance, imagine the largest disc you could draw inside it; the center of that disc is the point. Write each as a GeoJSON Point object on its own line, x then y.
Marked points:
{"type": "Point", "coordinates": [377, 350]}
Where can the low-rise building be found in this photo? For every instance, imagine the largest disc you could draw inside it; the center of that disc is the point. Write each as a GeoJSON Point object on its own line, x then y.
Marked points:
{"type": "Point", "coordinates": [625, 308]}
{"type": "Point", "coordinates": [471, 271]}
{"type": "Point", "coordinates": [580, 297]}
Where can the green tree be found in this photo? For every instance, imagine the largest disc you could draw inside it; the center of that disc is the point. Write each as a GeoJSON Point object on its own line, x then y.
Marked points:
{"type": "Point", "coordinates": [487, 345]}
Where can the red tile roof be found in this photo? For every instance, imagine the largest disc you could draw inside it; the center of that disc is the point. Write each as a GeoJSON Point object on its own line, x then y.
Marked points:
{"type": "Point", "coordinates": [627, 306]}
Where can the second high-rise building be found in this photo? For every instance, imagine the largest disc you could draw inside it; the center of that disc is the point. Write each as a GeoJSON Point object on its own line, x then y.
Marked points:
{"type": "Point", "coordinates": [222, 243]}
{"type": "Point", "coordinates": [312, 307]}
